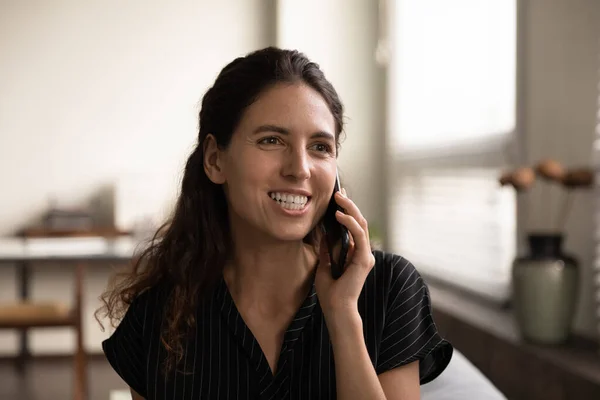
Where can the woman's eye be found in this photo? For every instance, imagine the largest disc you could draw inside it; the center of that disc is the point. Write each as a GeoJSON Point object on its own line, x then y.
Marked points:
{"type": "Point", "coordinates": [322, 148]}
{"type": "Point", "coordinates": [269, 140]}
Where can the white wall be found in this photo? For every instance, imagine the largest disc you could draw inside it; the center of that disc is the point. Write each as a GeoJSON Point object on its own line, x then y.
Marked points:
{"type": "Point", "coordinates": [559, 104]}
{"type": "Point", "coordinates": [94, 90]}
{"type": "Point", "coordinates": [97, 91]}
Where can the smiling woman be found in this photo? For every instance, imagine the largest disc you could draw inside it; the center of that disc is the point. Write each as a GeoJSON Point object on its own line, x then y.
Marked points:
{"type": "Point", "coordinates": [235, 296]}
{"type": "Point", "coordinates": [293, 154]}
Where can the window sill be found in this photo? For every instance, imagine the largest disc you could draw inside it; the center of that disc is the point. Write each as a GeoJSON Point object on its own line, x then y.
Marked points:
{"type": "Point", "coordinates": [487, 334]}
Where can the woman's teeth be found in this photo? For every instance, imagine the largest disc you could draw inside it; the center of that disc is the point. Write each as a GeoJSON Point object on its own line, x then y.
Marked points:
{"type": "Point", "coordinates": [289, 201]}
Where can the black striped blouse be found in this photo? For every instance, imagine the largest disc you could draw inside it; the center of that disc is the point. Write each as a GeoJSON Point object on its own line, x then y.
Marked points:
{"type": "Point", "coordinates": [224, 360]}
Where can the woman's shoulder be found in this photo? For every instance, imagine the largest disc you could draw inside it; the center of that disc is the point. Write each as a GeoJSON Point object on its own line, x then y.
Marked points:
{"type": "Point", "coordinates": [400, 305]}
{"type": "Point", "coordinates": [149, 296]}
{"type": "Point", "coordinates": [391, 260]}
{"type": "Point", "coordinates": [145, 307]}
{"type": "Point", "coordinates": [391, 267]}
{"type": "Point", "coordinates": [393, 278]}
{"type": "Point", "coordinates": [127, 348]}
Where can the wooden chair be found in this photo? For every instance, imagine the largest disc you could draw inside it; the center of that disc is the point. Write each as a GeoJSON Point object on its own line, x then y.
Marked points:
{"type": "Point", "coordinates": [32, 314]}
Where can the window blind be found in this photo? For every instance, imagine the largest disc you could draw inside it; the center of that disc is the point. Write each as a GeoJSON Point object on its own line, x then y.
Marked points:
{"type": "Point", "coordinates": [456, 226]}
{"type": "Point", "coordinates": [452, 102]}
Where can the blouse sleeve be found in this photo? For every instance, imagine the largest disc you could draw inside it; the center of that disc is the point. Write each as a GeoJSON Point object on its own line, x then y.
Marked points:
{"type": "Point", "coordinates": [125, 349]}
{"type": "Point", "coordinates": [409, 332]}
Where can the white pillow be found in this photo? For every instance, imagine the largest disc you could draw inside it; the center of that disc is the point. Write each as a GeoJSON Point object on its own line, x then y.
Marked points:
{"type": "Point", "coordinates": [460, 380]}
{"type": "Point", "coordinates": [120, 395]}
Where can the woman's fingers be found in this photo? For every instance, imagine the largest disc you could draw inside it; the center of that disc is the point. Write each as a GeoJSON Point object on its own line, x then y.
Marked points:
{"type": "Point", "coordinates": [351, 209]}
{"type": "Point", "coordinates": [351, 249]}
{"type": "Point", "coordinates": [361, 255]}
{"type": "Point", "coordinates": [359, 236]}
{"type": "Point", "coordinates": [359, 231]}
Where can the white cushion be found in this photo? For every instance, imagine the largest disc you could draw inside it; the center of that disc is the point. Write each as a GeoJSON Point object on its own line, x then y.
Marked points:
{"type": "Point", "coordinates": [460, 380]}
{"type": "Point", "coordinates": [120, 395]}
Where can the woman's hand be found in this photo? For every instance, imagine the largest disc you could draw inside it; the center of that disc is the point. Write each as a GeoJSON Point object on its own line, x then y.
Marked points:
{"type": "Point", "coordinates": [339, 298]}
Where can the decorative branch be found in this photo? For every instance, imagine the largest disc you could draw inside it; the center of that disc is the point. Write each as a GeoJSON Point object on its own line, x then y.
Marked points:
{"type": "Point", "coordinates": [550, 171]}
{"type": "Point", "coordinates": [564, 210]}
{"type": "Point", "coordinates": [521, 180]}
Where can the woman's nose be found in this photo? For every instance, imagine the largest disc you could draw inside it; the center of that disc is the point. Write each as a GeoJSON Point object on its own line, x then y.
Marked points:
{"type": "Point", "coordinates": [297, 165]}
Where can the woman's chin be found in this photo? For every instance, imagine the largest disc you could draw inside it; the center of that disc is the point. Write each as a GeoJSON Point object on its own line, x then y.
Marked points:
{"type": "Point", "coordinates": [292, 235]}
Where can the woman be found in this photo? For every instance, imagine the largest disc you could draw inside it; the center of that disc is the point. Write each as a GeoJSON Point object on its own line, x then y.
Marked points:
{"type": "Point", "coordinates": [234, 299]}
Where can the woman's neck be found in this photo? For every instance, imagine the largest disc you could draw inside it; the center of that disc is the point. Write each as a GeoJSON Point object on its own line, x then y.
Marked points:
{"type": "Point", "coordinates": [271, 279]}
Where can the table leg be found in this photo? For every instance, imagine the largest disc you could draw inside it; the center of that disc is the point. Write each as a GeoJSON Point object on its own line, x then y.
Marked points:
{"type": "Point", "coordinates": [23, 275]}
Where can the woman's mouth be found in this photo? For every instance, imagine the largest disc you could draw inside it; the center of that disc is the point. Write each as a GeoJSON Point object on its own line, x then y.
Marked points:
{"type": "Point", "coordinates": [290, 201]}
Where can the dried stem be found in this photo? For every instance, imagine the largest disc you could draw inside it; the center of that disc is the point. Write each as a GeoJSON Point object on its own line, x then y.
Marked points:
{"type": "Point", "coordinates": [564, 211]}
{"type": "Point", "coordinates": [525, 202]}
{"type": "Point", "coordinates": [545, 197]}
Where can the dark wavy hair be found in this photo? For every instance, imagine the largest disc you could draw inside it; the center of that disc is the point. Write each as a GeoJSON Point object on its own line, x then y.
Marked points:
{"type": "Point", "coordinates": [187, 254]}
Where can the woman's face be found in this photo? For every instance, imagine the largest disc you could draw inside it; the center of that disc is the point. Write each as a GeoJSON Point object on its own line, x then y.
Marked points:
{"type": "Point", "coordinates": [280, 167]}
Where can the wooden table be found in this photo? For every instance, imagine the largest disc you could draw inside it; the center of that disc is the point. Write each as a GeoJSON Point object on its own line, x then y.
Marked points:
{"type": "Point", "coordinates": [24, 252]}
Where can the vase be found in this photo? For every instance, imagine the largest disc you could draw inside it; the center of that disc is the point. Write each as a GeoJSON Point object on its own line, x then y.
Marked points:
{"type": "Point", "coordinates": [545, 290]}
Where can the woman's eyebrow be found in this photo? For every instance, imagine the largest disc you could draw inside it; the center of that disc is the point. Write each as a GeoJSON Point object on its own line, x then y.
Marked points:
{"type": "Point", "coordinates": [271, 128]}
{"type": "Point", "coordinates": [284, 131]}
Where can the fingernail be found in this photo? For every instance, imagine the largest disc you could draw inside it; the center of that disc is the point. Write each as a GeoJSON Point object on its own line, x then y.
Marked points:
{"type": "Point", "coordinates": [344, 192]}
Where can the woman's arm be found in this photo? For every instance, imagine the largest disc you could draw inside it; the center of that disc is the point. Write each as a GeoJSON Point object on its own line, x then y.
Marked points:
{"type": "Point", "coordinates": [402, 382]}
{"type": "Point", "coordinates": [355, 376]}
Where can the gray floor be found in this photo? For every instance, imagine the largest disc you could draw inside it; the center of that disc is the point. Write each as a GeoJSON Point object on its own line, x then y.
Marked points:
{"type": "Point", "coordinates": [52, 380]}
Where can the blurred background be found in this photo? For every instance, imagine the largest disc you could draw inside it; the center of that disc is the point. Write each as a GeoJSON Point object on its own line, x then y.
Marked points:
{"type": "Point", "coordinates": [98, 112]}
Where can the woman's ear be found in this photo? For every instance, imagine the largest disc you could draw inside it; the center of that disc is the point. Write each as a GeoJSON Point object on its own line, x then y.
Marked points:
{"type": "Point", "coordinates": [213, 160]}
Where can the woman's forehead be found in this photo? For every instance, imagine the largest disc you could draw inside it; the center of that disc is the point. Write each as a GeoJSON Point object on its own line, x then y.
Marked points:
{"type": "Point", "coordinates": [294, 107]}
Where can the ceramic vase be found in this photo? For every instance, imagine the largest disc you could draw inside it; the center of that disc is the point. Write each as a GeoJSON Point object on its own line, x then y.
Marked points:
{"type": "Point", "coordinates": [545, 290]}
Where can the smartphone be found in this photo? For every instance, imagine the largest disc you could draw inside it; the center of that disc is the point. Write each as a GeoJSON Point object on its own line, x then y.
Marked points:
{"type": "Point", "coordinates": [336, 234]}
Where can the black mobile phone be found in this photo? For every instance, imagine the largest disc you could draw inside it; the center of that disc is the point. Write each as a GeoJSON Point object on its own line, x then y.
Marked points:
{"type": "Point", "coordinates": [336, 234]}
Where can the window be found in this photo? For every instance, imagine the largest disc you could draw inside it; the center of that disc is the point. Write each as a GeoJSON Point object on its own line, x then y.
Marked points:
{"type": "Point", "coordinates": [452, 116]}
